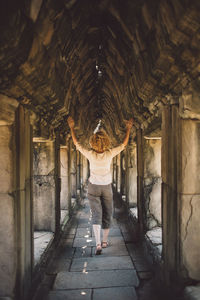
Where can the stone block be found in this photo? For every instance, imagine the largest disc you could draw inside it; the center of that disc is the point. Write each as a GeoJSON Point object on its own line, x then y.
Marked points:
{"type": "Point", "coordinates": [59, 265]}
{"type": "Point", "coordinates": [44, 203]}
{"type": "Point", "coordinates": [155, 235]}
{"type": "Point", "coordinates": [114, 250]}
{"type": "Point", "coordinates": [96, 279]}
{"type": "Point", "coordinates": [8, 245]}
{"type": "Point", "coordinates": [155, 201]}
{"type": "Point", "coordinates": [192, 293]}
{"type": "Point", "coordinates": [84, 242]}
{"type": "Point", "coordinates": [190, 228]}
{"type": "Point", "coordinates": [113, 232]}
{"type": "Point", "coordinates": [83, 294]}
{"type": "Point", "coordinates": [83, 232]}
{"type": "Point", "coordinates": [101, 263]}
{"type": "Point", "coordinates": [44, 158]}
{"type": "Point", "coordinates": [6, 160]}
{"type": "Point", "coordinates": [83, 252]}
{"type": "Point", "coordinates": [115, 293]}
{"type": "Point", "coordinates": [190, 176]}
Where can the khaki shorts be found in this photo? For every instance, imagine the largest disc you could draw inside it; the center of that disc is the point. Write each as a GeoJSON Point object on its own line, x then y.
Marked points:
{"type": "Point", "coordinates": [101, 204]}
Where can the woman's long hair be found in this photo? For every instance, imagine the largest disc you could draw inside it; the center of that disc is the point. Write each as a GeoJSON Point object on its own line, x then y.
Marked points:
{"type": "Point", "coordinates": [100, 141]}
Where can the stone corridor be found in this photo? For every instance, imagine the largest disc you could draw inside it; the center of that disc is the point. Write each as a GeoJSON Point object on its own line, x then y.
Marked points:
{"type": "Point", "coordinates": [102, 63]}
{"type": "Point", "coordinates": [121, 272]}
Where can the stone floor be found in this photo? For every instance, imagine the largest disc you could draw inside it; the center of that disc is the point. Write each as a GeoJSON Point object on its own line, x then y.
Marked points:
{"type": "Point", "coordinates": [121, 272]}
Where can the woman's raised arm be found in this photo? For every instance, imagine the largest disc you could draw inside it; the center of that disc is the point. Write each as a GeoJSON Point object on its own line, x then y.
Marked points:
{"type": "Point", "coordinates": [129, 124]}
{"type": "Point", "coordinates": [71, 124]}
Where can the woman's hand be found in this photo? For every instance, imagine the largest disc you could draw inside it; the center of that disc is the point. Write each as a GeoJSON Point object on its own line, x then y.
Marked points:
{"type": "Point", "coordinates": [71, 123]}
{"type": "Point", "coordinates": [129, 123]}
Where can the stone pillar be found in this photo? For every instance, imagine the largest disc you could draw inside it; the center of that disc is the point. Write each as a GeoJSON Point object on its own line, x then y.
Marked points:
{"type": "Point", "coordinates": [189, 183]}
{"type": "Point", "coordinates": [132, 175]}
{"type": "Point", "coordinates": [64, 195]}
{"type": "Point", "coordinates": [118, 173]}
{"type": "Point", "coordinates": [73, 170]}
{"type": "Point", "coordinates": [57, 179]}
{"type": "Point", "coordinates": [16, 235]}
{"type": "Point", "coordinates": [152, 181]}
{"type": "Point", "coordinates": [169, 170]}
{"type": "Point", "coordinates": [189, 200]}
{"type": "Point", "coordinates": [123, 173]}
{"type": "Point", "coordinates": [44, 185]}
{"type": "Point", "coordinates": [140, 180]}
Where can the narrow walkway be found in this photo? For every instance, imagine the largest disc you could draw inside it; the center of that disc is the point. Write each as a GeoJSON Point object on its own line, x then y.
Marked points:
{"type": "Point", "coordinates": [120, 273]}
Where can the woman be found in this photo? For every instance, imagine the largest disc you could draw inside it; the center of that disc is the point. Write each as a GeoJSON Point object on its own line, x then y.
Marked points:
{"type": "Point", "coordinates": [99, 187]}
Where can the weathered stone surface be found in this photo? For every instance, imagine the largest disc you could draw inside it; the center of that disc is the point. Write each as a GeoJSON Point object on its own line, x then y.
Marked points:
{"type": "Point", "coordinates": [95, 279]}
{"type": "Point", "coordinates": [64, 196]}
{"type": "Point", "coordinates": [90, 241]}
{"type": "Point", "coordinates": [190, 228]}
{"type": "Point", "coordinates": [190, 158]}
{"type": "Point", "coordinates": [6, 159]}
{"type": "Point", "coordinates": [7, 110]}
{"type": "Point", "coordinates": [83, 252]}
{"type": "Point", "coordinates": [155, 235]}
{"type": "Point", "coordinates": [83, 232]}
{"type": "Point", "coordinates": [41, 241]}
{"type": "Point", "coordinates": [59, 265]}
{"type": "Point", "coordinates": [8, 246]}
{"type": "Point", "coordinates": [192, 293]}
{"type": "Point", "coordinates": [114, 250]}
{"type": "Point", "coordinates": [127, 293]}
{"type": "Point", "coordinates": [102, 263]}
{"type": "Point", "coordinates": [84, 294]}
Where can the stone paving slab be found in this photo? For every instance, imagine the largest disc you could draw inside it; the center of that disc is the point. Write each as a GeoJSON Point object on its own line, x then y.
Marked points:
{"type": "Point", "coordinates": [81, 242]}
{"type": "Point", "coordinates": [67, 242]}
{"type": "Point", "coordinates": [113, 240]}
{"type": "Point", "coordinates": [83, 252]}
{"type": "Point", "coordinates": [84, 232]}
{"type": "Point", "coordinates": [113, 232]}
{"type": "Point", "coordinates": [58, 265]}
{"type": "Point", "coordinates": [83, 294]}
{"type": "Point", "coordinates": [141, 266]}
{"type": "Point", "coordinates": [101, 263]}
{"type": "Point", "coordinates": [65, 252]}
{"type": "Point", "coordinates": [114, 250]}
{"type": "Point", "coordinates": [95, 279]}
{"type": "Point", "coordinates": [117, 293]}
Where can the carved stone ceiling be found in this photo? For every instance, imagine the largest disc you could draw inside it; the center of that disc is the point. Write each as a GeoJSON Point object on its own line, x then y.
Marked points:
{"type": "Point", "coordinates": [98, 59]}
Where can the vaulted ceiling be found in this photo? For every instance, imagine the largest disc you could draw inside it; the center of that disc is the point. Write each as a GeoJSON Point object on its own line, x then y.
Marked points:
{"type": "Point", "coordinates": [98, 59]}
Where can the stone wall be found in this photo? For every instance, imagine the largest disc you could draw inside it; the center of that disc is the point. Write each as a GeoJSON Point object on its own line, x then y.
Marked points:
{"type": "Point", "coordinates": [152, 182]}
{"type": "Point", "coordinates": [189, 199]}
{"type": "Point", "coordinates": [44, 185]}
{"type": "Point", "coordinates": [8, 255]}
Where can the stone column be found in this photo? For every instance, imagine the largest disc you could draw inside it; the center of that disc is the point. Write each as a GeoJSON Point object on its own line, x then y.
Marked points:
{"type": "Point", "coordinates": [114, 172]}
{"type": "Point", "coordinates": [123, 173]}
{"type": "Point", "coordinates": [169, 170]}
{"type": "Point", "coordinates": [189, 183]}
{"type": "Point", "coordinates": [152, 181]}
{"type": "Point", "coordinates": [64, 195]}
{"type": "Point", "coordinates": [132, 175]}
{"type": "Point", "coordinates": [57, 179]}
{"type": "Point", "coordinates": [16, 235]}
{"type": "Point", "coordinates": [140, 180]}
{"type": "Point", "coordinates": [118, 174]}
{"type": "Point", "coordinates": [44, 185]}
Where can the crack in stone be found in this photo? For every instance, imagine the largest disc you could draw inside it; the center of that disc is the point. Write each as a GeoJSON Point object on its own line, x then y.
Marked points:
{"type": "Point", "coordinates": [188, 221]}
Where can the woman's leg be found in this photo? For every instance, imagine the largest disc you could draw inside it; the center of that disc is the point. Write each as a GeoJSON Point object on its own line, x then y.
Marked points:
{"type": "Point", "coordinates": [96, 209]}
{"type": "Point", "coordinates": [107, 212]}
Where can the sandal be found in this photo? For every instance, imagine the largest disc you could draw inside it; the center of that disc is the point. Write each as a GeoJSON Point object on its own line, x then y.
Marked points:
{"type": "Point", "coordinates": [104, 244]}
{"type": "Point", "coordinates": [98, 249]}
